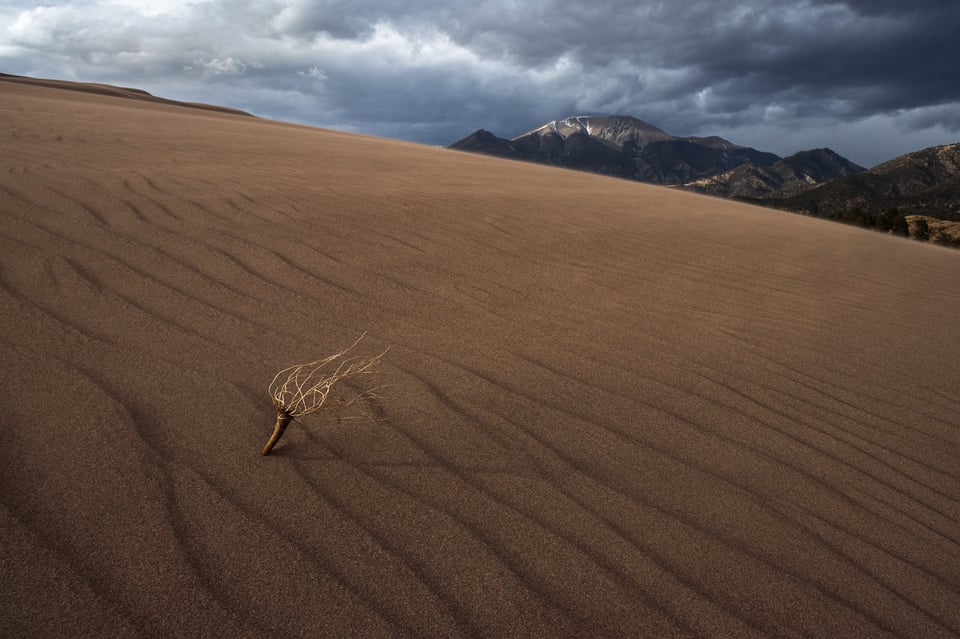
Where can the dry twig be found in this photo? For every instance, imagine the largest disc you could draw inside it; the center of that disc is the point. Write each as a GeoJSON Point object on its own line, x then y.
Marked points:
{"type": "Point", "coordinates": [303, 389]}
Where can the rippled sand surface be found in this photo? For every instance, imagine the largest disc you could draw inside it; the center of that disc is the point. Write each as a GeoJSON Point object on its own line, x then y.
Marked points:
{"type": "Point", "coordinates": [608, 409]}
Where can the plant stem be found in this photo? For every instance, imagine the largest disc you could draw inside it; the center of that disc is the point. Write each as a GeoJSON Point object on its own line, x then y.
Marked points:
{"type": "Point", "coordinates": [282, 420]}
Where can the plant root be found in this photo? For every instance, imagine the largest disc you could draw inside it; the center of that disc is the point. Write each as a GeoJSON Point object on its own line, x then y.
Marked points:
{"type": "Point", "coordinates": [282, 420]}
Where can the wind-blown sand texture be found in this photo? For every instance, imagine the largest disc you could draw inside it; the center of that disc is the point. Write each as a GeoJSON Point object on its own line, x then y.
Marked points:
{"type": "Point", "coordinates": [611, 409]}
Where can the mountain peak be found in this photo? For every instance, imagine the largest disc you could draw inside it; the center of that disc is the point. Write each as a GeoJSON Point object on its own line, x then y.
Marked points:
{"type": "Point", "coordinates": [612, 129]}
{"type": "Point", "coordinates": [483, 141]}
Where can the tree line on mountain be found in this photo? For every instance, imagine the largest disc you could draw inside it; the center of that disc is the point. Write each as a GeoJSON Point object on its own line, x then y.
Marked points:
{"type": "Point", "coordinates": [892, 220]}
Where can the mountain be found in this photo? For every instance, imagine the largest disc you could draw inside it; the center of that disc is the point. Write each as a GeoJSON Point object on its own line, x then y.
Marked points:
{"type": "Point", "coordinates": [798, 172]}
{"type": "Point", "coordinates": [925, 183]}
{"type": "Point", "coordinates": [483, 141]}
{"type": "Point", "coordinates": [621, 146]}
{"type": "Point", "coordinates": [916, 194]}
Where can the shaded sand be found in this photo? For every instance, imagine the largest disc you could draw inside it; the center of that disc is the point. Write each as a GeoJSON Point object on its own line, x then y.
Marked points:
{"type": "Point", "coordinates": [612, 409]}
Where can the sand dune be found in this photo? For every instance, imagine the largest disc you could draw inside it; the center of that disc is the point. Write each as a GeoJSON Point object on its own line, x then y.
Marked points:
{"type": "Point", "coordinates": [610, 409]}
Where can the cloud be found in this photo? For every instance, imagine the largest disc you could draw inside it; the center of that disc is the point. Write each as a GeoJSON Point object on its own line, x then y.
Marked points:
{"type": "Point", "coordinates": [313, 72]}
{"type": "Point", "coordinates": [943, 116]}
{"type": "Point", "coordinates": [223, 66]}
{"type": "Point", "coordinates": [433, 71]}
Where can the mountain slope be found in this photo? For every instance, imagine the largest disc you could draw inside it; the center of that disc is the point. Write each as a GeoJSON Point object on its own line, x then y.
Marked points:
{"type": "Point", "coordinates": [925, 182]}
{"type": "Point", "coordinates": [620, 146]}
{"type": "Point", "coordinates": [798, 172]}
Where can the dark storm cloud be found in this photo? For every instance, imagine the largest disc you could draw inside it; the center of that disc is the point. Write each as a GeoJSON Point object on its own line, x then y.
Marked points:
{"type": "Point", "coordinates": [434, 70]}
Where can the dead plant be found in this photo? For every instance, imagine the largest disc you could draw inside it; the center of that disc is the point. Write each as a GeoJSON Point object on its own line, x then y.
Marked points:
{"type": "Point", "coordinates": [304, 388]}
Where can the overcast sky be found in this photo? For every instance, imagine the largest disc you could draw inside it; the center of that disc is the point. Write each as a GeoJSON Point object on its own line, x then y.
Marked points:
{"type": "Point", "coordinates": [871, 79]}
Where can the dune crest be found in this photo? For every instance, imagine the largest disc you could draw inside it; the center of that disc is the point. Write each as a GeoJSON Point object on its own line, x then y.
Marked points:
{"type": "Point", "coordinates": [612, 409]}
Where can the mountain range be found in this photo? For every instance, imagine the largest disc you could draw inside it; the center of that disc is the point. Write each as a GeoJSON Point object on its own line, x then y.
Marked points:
{"type": "Point", "coordinates": [799, 172]}
{"type": "Point", "coordinates": [627, 147]}
{"type": "Point", "coordinates": [909, 194]}
{"type": "Point", "coordinates": [925, 182]}
{"type": "Point", "coordinates": [923, 187]}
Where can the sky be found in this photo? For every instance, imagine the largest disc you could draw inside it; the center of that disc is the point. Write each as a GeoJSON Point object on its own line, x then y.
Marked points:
{"type": "Point", "coordinates": [871, 79]}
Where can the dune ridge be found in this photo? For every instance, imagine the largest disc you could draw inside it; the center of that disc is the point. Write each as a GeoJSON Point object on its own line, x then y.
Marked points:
{"type": "Point", "coordinates": [611, 409]}
{"type": "Point", "coordinates": [97, 88]}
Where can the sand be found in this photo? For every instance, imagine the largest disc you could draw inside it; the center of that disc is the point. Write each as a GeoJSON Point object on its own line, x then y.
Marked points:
{"type": "Point", "coordinates": [608, 408]}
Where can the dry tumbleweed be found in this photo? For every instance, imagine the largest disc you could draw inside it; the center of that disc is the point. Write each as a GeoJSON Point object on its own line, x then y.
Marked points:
{"type": "Point", "coordinates": [303, 389]}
